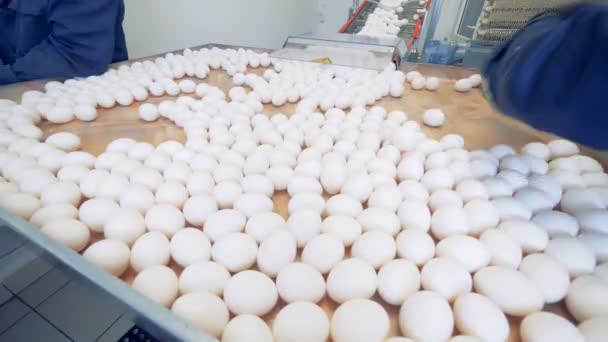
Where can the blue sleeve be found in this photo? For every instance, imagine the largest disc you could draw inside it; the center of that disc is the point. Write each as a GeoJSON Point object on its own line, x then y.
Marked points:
{"type": "Point", "coordinates": [553, 74]}
{"type": "Point", "coordinates": [81, 43]}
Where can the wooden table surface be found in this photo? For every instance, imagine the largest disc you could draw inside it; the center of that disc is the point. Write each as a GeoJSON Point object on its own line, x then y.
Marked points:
{"type": "Point", "coordinates": [468, 114]}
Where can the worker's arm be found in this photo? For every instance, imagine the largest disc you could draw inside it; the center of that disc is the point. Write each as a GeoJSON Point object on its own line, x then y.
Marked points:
{"type": "Point", "coordinates": [553, 74]}
{"type": "Point", "coordinates": [81, 43]}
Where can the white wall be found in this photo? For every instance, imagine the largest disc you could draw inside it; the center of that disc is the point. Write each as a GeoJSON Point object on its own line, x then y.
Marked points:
{"type": "Point", "coordinates": [334, 14]}
{"type": "Point", "coordinates": [157, 26]}
{"type": "Point", "coordinates": [449, 19]}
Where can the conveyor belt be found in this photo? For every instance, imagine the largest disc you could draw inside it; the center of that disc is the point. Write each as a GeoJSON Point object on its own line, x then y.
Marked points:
{"type": "Point", "coordinates": [409, 9]}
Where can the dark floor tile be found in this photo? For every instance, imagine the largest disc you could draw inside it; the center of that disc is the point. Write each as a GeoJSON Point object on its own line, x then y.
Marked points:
{"type": "Point", "coordinates": [28, 273]}
{"type": "Point", "coordinates": [80, 311]}
{"type": "Point", "coordinates": [11, 312]}
{"type": "Point", "coordinates": [33, 328]}
{"type": "Point", "coordinates": [45, 286]}
{"type": "Point", "coordinates": [5, 295]}
{"type": "Point", "coordinates": [16, 260]}
{"type": "Point", "coordinates": [9, 241]}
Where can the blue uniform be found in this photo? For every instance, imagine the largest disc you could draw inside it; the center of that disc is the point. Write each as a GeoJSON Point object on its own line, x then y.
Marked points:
{"type": "Point", "coordinates": [553, 74]}
{"type": "Point", "coordinates": [59, 38]}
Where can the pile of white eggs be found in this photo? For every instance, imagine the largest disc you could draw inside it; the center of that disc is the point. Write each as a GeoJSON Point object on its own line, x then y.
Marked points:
{"type": "Point", "coordinates": [384, 21]}
{"type": "Point", "coordinates": [458, 239]}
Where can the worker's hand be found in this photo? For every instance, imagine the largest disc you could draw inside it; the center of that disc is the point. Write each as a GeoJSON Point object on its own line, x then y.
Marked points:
{"type": "Point", "coordinates": [553, 74]}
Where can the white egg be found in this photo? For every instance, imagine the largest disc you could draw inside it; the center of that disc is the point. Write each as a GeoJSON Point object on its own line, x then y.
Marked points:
{"type": "Point", "coordinates": [204, 276]}
{"type": "Point", "coordinates": [551, 278]}
{"type": "Point", "coordinates": [110, 255]}
{"type": "Point", "coordinates": [54, 212]}
{"type": "Point", "coordinates": [343, 205]}
{"type": "Point", "coordinates": [359, 320]}
{"type": "Point", "coordinates": [226, 193]}
{"type": "Point", "coordinates": [426, 316]}
{"type": "Point", "coordinates": [345, 228]}
{"type": "Point", "coordinates": [432, 83]}
{"type": "Point", "coordinates": [223, 222]}
{"type": "Point", "coordinates": [511, 290]}
{"type": "Point", "coordinates": [340, 286]}
{"type": "Point", "coordinates": [275, 252]}
{"type": "Point", "coordinates": [85, 112]}
{"type": "Point", "coordinates": [300, 282]}
{"type": "Point", "coordinates": [247, 327]}
{"type": "Point", "coordinates": [137, 197]}
{"type": "Point", "coordinates": [280, 175]}
{"type": "Point", "coordinates": [250, 292]}
{"type": "Point", "coordinates": [418, 83]}
{"type": "Point", "coordinates": [505, 250]}
{"type": "Point", "coordinates": [61, 192]}
{"type": "Point", "coordinates": [447, 277]}
{"type": "Point", "coordinates": [444, 197]}
{"type": "Point", "coordinates": [469, 251]}
{"type": "Point", "coordinates": [448, 221]}
{"type": "Point", "coordinates": [594, 329]}
{"type": "Point", "coordinates": [358, 186]}
{"type": "Point", "coordinates": [164, 218]}
{"type": "Point", "coordinates": [556, 223]}
{"type": "Point", "coordinates": [387, 197]}
{"type": "Point", "coordinates": [511, 209]}
{"type": "Point", "coordinates": [375, 247]}
{"type": "Point", "coordinates": [95, 213]}
{"type": "Point", "coordinates": [261, 225]}
{"type": "Point", "coordinates": [573, 254]}
{"type": "Point", "coordinates": [587, 298]}
{"type": "Point", "coordinates": [190, 246]}
{"type": "Point", "coordinates": [397, 280]}
{"type": "Point", "coordinates": [251, 203]}
{"type": "Point", "coordinates": [258, 184]}
{"type": "Point", "coordinates": [198, 208]}
{"type": "Point", "coordinates": [187, 86]}
{"type": "Point", "coordinates": [562, 148]}
{"type": "Point", "coordinates": [65, 141]}
{"type": "Point", "coordinates": [148, 112]}
{"type": "Point", "coordinates": [69, 232]}
{"type": "Point", "coordinates": [434, 118]}
{"type": "Point", "coordinates": [23, 205]}
{"type": "Point", "coordinates": [323, 252]}
{"type": "Point", "coordinates": [531, 238]}
{"type": "Point", "coordinates": [158, 283]}
{"type": "Point", "coordinates": [478, 316]}
{"type": "Point", "coordinates": [301, 322]}
{"type": "Point", "coordinates": [204, 310]}
{"type": "Point", "coordinates": [544, 325]}
{"type": "Point", "coordinates": [61, 115]}
{"type": "Point", "coordinates": [476, 80]}
{"type": "Point", "coordinates": [235, 251]}
{"type": "Point", "coordinates": [463, 85]}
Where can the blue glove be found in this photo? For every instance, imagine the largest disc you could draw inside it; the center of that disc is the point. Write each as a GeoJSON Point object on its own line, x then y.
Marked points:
{"type": "Point", "coordinates": [553, 74]}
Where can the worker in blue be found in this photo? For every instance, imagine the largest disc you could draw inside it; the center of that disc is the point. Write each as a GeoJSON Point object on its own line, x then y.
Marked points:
{"type": "Point", "coordinates": [553, 74]}
{"type": "Point", "coordinates": [59, 38]}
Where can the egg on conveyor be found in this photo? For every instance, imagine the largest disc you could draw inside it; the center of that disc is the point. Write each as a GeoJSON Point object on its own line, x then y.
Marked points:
{"type": "Point", "coordinates": [110, 255]}
{"type": "Point", "coordinates": [434, 118]}
{"type": "Point", "coordinates": [359, 320]}
{"type": "Point", "coordinates": [204, 310]}
{"type": "Point", "coordinates": [158, 283]}
{"type": "Point", "coordinates": [301, 321]}
{"type": "Point", "coordinates": [247, 328]}
{"type": "Point", "coordinates": [71, 233]}
{"type": "Point", "coordinates": [340, 287]}
{"type": "Point", "coordinates": [250, 292]}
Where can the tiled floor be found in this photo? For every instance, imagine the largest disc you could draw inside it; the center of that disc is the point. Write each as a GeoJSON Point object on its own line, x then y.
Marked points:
{"type": "Point", "coordinates": [41, 300]}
